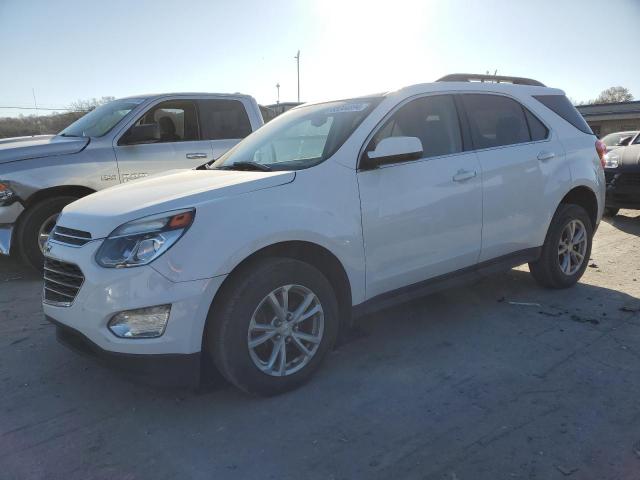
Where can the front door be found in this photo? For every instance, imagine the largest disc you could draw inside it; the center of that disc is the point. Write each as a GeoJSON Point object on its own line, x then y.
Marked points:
{"type": "Point", "coordinates": [421, 218]}
{"type": "Point", "coordinates": [180, 144]}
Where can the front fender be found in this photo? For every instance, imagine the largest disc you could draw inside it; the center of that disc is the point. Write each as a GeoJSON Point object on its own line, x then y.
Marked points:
{"type": "Point", "coordinates": [320, 206]}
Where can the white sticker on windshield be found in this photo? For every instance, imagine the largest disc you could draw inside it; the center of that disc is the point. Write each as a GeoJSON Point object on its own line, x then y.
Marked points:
{"type": "Point", "coordinates": [348, 107]}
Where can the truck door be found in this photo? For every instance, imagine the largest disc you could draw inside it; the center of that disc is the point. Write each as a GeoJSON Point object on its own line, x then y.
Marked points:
{"type": "Point", "coordinates": [224, 122]}
{"type": "Point", "coordinates": [179, 143]}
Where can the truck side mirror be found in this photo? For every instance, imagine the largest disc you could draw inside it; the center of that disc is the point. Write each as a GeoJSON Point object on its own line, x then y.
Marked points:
{"type": "Point", "coordinates": [145, 133]}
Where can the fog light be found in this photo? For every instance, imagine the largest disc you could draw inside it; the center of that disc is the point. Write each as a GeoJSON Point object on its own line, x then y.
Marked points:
{"type": "Point", "coordinates": [141, 323]}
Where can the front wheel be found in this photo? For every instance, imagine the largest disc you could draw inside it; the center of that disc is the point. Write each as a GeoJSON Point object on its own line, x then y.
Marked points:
{"type": "Point", "coordinates": [35, 227]}
{"type": "Point", "coordinates": [566, 249]}
{"type": "Point", "coordinates": [274, 324]}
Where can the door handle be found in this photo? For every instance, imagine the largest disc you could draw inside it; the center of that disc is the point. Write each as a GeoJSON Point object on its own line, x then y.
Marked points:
{"type": "Point", "coordinates": [196, 156]}
{"type": "Point", "coordinates": [464, 175]}
{"type": "Point", "coordinates": [543, 156]}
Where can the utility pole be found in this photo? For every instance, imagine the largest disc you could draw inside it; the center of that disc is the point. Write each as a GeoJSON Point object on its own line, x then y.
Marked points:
{"type": "Point", "coordinates": [297, 57]}
{"type": "Point", "coordinates": [278, 87]}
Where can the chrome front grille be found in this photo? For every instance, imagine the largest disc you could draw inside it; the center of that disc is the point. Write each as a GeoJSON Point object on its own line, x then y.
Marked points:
{"type": "Point", "coordinates": [62, 282]}
{"type": "Point", "coordinates": [70, 236]}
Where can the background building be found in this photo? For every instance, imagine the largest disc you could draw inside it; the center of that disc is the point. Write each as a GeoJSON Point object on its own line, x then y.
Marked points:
{"type": "Point", "coordinates": [605, 118]}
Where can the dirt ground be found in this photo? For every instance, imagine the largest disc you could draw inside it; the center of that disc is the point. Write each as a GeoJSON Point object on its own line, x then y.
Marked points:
{"type": "Point", "coordinates": [459, 385]}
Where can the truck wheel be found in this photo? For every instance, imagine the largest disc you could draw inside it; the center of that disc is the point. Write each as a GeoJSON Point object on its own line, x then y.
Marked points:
{"type": "Point", "coordinates": [566, 250]}
{"type": "Point", "coordinates": [274, 325]}
{"type": "Point", "coordinates": [35, 226]}
{"type": "Point", "coordinates": [610, 212]}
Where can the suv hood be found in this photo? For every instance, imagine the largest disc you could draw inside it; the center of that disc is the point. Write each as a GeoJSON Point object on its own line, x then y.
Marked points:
{"type": "Point", "coordinates": [102, 212]}
{"type": "Point", "coordinates": [23, 148]}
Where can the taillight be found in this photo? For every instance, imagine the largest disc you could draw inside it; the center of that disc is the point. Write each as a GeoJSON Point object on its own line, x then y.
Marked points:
{"type": "Point", "coordinates": [601, 148]}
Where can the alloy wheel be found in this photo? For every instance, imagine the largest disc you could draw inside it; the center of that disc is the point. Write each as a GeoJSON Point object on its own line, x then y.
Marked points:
{"type": "Point", "coordinates": [45, 230]}
{"type": "Point", "coordinates": [285, 330]}
{"type": "Point", "coordinates": [572, 247]}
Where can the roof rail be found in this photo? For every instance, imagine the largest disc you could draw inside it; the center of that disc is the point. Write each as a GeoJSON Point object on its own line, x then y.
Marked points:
{"type": "Point", "coordinates": [468, 77]}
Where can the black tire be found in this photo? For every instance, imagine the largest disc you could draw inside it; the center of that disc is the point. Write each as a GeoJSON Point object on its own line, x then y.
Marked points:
{"type": "Point", "coordinates": [610, 212]}
{"type": "Point", "coordinates": [229, 320]}
{"type": "Point", "coordinates": [29, 227]}
{"type": "Point", "coordinates": [546, 270]}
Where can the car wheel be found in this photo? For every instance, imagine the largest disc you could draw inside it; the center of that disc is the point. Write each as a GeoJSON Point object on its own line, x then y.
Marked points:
{"type": "Point", "coordinates": [566, 250]}
{"type": "Point", "coordinates": [274, 324]}
{"type": "Point", "coordinates": [610, 212]}
{"type": "Point", "coordinates": [35, 227]}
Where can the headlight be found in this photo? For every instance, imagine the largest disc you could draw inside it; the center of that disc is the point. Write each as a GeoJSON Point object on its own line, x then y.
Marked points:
{"type": "Point", "coordinates": [141, 241]}
{"type": "Point", "coordinates": [611, 160]}
{"type": "Point", "coordinates": [7, 196]}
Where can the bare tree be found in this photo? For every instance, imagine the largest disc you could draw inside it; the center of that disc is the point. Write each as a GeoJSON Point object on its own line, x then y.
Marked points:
{"type": "Point", "coordinates": [48, 124]}
{"type": "Point", "coordinates": [614, 95]}
{"type": "Point", "coordinates": [89, 104]}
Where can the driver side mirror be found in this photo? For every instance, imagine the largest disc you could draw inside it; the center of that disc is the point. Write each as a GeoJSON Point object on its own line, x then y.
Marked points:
{"type": "Point", "coordinates": [393, 150]}
{"type": "Point", "coordinates": [146, 133]}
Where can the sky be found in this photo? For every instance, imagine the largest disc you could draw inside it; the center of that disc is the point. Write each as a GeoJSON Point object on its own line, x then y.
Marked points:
{"type": "Point", "coordinates": [68, 50]}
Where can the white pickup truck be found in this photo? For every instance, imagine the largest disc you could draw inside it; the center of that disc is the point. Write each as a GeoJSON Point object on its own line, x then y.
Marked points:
{"type": "Point", "coordinates": [121, 141]}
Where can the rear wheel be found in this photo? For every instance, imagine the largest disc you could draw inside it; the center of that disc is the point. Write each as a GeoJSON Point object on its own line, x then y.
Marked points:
{"type": "Point", "coordinates": [274, 325]}
{"type": "Point", "coordinates": [35, 227]}
{"type": "Point", "coordinates": [566, 249]}
{"type": "Point", "coordinates": [610, 212]}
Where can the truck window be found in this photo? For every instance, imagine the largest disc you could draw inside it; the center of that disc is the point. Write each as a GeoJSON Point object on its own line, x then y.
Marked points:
{"type": "Point", "coordinates": [177, 120]}
{"type": "Point", "coordinates": [223, 119]}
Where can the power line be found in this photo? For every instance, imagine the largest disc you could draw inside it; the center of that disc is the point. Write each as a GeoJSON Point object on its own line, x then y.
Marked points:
{"type": "Point", "coordinates": [43, 108]}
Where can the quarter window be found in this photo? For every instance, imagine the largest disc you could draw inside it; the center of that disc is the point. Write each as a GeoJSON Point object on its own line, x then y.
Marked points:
{"type": "Point", "coordinates": [536, 128]}
{"type": "Point", "coordinates": [223, 119]}
{"type": "Point", "coordinates": [495, 120]}
{"type": "Point", "coordinates": [432, 119]}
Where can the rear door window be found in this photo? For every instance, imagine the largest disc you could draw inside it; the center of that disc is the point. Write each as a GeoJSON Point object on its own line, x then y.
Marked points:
{"type": "Point", "coordinates": [561, 105]}
{"type": "Point", "coordinates": [495, 120]}
{"type": "Point", "coordinates": [223, 119]}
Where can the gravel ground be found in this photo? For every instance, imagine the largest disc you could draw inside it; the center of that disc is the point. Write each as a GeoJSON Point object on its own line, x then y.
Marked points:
{"type": "Point", "coordinates": [459, 385]}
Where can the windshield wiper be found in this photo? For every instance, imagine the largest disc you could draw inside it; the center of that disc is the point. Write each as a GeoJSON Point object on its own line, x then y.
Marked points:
{"type": "Point", "coordinates": [67, 135]}
{"type": "Point", "coordinates": [247, 166]}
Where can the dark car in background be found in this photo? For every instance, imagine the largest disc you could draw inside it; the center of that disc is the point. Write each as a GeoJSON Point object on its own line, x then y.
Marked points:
{"type": "Point", "coordinates": [622, 171]}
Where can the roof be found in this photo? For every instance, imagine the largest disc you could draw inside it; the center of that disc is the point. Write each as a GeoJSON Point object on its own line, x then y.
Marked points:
{"type": "Point", "coordinates": [186, 94]}
{"type": "Point", "coordinates": [609, 108]}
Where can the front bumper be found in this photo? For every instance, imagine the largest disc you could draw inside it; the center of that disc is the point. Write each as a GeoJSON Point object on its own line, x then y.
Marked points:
{"type": "Point", "coordinates": [623, 189]}
{"type": "Point", "coordinates": [8, 216]}
{"type": "Point", "coordinates": [106, 292]}
{"type": "Point", "coordinates": [167, 370]}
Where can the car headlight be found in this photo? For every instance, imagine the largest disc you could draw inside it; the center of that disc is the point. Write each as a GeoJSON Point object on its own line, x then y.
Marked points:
{"type": "Point", "coordinates": [611, 160]}
{"type": "Point", "coordinates": [141, 241]}
{"type": "Point", "coordinates": [7, 196]}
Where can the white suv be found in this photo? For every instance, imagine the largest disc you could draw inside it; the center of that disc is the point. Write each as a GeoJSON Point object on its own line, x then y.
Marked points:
{"type": "Point", "coordinates": [329, 211]}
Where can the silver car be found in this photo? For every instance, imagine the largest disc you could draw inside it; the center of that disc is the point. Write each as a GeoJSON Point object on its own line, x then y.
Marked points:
{"type": "Point", "coordinates": [118, 142]}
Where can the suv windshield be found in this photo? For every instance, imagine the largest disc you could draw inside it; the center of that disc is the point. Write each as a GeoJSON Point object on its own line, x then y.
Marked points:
{"type": "Point", "coordinates": [102, 119]}
{"type": "Point", "coordinates": [300, 138]}
{"type": "Point", "coordinates": [613, 139]}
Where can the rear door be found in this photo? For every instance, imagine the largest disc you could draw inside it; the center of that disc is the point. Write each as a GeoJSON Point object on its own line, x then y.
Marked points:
{"type": "Point", "coordinates": [180, 145]}
{"type": "Point", "coordinates": [224, 122]}
{"type": "Point", "coordinates": [517, 155]}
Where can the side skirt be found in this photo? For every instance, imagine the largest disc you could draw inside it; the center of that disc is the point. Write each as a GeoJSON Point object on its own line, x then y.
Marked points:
{"type": "Point", "coordinates": [448, 280]}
